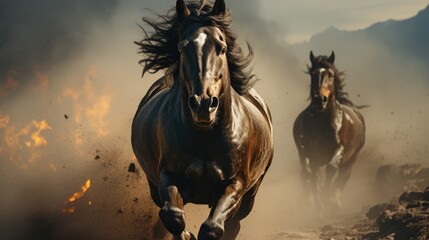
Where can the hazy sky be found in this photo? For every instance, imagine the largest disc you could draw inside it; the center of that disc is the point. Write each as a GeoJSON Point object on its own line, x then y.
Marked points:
{"type": "Point", "coordinates": [301, 19]}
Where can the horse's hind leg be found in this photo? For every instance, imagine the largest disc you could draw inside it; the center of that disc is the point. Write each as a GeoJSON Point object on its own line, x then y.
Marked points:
{"type": "Point", "coordinates": [172, 214]}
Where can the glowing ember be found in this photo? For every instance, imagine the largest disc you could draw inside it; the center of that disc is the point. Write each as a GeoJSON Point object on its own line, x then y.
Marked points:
{"type": "Point", "coordinates": [84, 188]}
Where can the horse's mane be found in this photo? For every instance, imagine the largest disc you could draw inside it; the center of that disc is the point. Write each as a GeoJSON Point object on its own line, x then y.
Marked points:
{"type": "Point", "coordinates": [339, 78]}
{"type": "Point", "coordinates": [160, 47]}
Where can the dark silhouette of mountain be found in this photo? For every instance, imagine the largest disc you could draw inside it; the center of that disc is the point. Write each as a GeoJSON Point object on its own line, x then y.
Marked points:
{"type": "Point", "coordinates": [407, 38]}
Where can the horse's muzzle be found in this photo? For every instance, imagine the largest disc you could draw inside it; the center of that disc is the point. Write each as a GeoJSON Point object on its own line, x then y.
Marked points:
{"type": "Point", "coordinates": [203, 109]}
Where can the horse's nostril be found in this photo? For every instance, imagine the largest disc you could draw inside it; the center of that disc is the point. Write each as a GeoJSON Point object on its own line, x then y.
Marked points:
{"type": "Point", "coordinates": [215, 102]}
{"type": "Point", "coordinates": [324, 99]}
{"type": "Point", "coordinates": [193, 103]}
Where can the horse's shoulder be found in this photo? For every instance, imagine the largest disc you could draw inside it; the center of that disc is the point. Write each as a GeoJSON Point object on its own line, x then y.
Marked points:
{"type": "Point", "coordinates": [352, 114]}
{"type": "Point", "coordinates": [157, 87]}
{"type": "Point", "coordinates": [256, 99]}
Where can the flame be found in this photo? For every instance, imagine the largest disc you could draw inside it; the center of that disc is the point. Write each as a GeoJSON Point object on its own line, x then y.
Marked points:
{"type": "Point", "coordinates": [84, 188]}
{"type": "Point", "coordinates": [13, 136]}
{"type": "Point", "coordinates": [42, 80]}
{"type": "Point", "coordinates": [17, 140]}
{"type": "Point", "coordinates": [90, 107]}
{"type": "Point", "coordinates": [10, 84]}
{"type": "Point", "coordinates": [76, 196]}
{"type": "Point", "coordinates": [38, 139]}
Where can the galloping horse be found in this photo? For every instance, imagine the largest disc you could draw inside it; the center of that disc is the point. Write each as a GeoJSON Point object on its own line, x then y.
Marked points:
{"type": "Point", "coordinates": [329, 132]}
{"type": "Point", "coordinates": [202, 134]}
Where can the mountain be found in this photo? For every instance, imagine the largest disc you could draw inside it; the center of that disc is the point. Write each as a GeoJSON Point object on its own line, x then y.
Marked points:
{"type": "Point", "coordinates": [407, 39]}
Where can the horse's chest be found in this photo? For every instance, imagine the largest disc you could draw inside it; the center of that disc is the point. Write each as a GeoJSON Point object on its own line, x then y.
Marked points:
{"type": "Point", "coordinates": [319, 138]}
{"type": "Point", "coordinates": [204, 179]}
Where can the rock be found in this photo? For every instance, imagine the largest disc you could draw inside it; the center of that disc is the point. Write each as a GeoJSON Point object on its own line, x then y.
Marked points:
{"type": "Point", "coordinates": [378, 209]}
{"type": "Point", "coordinates": [409, 197]}
{"type": "Point", "coordinates": [418, 204]}
{"type": "Point", "coordinates": [132, 167]}
{"type": "Point", "coordinates": [121, 210]}
{"type": "Point", "coordinates": [384, 221]}
{"type": "Point", "coordinates": [426, 194]}
{"type": "Point", "coordinates": [409, 220]}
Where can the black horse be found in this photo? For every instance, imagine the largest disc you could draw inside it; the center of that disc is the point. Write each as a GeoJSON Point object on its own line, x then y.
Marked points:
{"type": "Point", "coordinates": [202, 134]}
{"type": "Point", "coordinates": [329, 132]}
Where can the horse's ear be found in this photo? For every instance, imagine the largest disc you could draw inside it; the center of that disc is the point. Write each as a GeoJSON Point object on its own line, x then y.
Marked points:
{"type": "Point", "coordinates": [312, 58]}
{"type": "Point", "coordinates": [182, 10]}
{"type": "Point", "coordinates": [331, 58]}
{"type": "Point", "coordinates": [219, 8]}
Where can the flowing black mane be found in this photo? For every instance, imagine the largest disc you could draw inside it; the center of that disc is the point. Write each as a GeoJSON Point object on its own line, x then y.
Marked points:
{"type": "Point", "coordinates": [340, 94]}
{"type": "Point", "coordinates": [160, 47]}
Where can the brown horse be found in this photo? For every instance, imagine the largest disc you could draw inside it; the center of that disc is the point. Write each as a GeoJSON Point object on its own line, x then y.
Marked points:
{"type": "Point", "coordinates": [329, 133]}
{"type": "Point", "coordinates": [202, 134]}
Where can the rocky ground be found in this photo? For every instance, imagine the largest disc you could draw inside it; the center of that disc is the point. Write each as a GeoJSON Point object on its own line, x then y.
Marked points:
{"type": "Point", "coordinates": [403, 215]}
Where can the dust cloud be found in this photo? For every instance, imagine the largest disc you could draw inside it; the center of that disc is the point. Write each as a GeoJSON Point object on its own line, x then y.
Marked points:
{"type": "Point", "coordinates": [67, 104]}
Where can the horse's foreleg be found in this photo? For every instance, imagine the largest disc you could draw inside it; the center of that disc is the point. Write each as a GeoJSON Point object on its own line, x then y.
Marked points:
{"type": "Point", "coordinates": [316, 189]}
{"type": "Point", "coordinates": [331, 170]}
{"type": "Point", "coordinates": [344, 173]}
{"type": "Point", "coordinates": [306, 177]}
{"type": "Point", "coordinates": [172, 214]}
{"type": "Point", "coordinates": [227, 205]}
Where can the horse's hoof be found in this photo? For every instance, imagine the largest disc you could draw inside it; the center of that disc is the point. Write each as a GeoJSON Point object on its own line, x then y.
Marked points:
{"type": "Point", "coordinates": [189, 236]}
{"type": "Point", "coordinates": [210, 231]}
{"type": "Point", "coordinates": [184, 236]}
{"type": "Point", "coordinates": [173, 219]}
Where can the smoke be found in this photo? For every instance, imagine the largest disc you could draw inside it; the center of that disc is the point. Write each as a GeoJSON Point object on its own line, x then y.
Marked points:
{"type": "Point", "coordinates": [69, 87]}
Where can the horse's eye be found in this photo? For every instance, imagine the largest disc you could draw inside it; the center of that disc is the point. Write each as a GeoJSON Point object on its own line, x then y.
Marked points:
{"type": "Point", "coordinates": [223, 50]}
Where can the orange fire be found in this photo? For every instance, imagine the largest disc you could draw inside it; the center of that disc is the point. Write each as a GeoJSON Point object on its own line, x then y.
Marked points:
{"type": "Point", "coordinates": [76, 196]}
{"type": "Point", "coordinates": [90, 106]}
{"type": "Point", "coordinates": [84, 188]}
{"type": "Point", "coordinates": [23, 144]}
{"type": "Point", "coordinates": [38, 139]}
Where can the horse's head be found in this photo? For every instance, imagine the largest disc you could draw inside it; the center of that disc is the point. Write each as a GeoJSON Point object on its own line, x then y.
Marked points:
{"type": "Point", "coordinates": [203, 68]}
{"type": "Point", "coordinates": [322, 74]}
